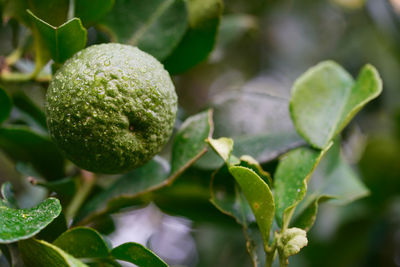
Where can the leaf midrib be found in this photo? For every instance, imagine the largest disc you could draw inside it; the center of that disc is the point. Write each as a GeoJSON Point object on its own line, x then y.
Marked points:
{"type": "Point", "coordinates": [157, 13]}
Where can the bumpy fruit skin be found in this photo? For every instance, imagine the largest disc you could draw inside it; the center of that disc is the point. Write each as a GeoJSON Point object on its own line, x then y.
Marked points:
{"type": "Point", "coordinates": [111, 108]}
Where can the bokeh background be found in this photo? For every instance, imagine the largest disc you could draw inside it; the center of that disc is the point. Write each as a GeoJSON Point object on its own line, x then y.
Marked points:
{"type": "Point", "coordinates": [266, 45]}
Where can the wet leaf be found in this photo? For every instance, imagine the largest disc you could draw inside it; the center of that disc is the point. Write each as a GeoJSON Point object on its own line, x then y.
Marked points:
{"type": "Point", "coordinates": [19, 224]}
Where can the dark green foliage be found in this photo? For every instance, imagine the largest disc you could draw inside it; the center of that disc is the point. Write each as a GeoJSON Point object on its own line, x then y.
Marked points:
{"type": "Point", "coordinates": [250, 165]}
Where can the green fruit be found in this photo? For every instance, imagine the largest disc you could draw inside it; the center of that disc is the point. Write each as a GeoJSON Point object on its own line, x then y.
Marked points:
{"type": "Point", "coordinates": [111, 108]}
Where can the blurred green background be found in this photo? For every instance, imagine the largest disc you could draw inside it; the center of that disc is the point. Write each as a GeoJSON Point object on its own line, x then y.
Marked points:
{"type": "Point", "coordinates": [266, 45]}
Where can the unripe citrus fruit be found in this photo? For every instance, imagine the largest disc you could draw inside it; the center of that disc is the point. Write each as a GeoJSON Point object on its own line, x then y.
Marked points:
{"type": "Point", "coordinates": [111, 108]}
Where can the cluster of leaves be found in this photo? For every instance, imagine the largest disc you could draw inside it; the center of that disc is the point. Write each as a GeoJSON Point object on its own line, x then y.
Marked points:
{"type": "Point", "coordinates": [329, 95]}
{"type": "Point", "coordinates": [274, 211]}
{"type": "Point", "coordinates": [59, 28]}
{"type": "Point", "coordinates": [169, 30]}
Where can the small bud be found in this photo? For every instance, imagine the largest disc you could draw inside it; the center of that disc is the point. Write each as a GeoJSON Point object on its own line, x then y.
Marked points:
{"type": "Point", "coordinates": [292, 241]}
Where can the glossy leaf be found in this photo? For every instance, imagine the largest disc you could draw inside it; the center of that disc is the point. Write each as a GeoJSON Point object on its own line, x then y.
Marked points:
{"type": "Point", "coordinates": [138, 255]}
{"type": "Point", "coordinates": [258, 122]}
{"type": "Point", "coordinates": [155, 26]}
{"type": "Point", "coordinates": [8, 195]}
{"type": "Point", "coordinates": [62, 41]}
{"type": "Point", "coordinates": [19, 224]}
{"type": "Point", "coordinates": [227, 198]}
{"type": "Point", "coordinates": [189, 145]}
{"type": "Point", "coordinates": [204, 19]}
{"type": "Point", "coordinates": [83, 242]}
{"type": "Point", "coordinates": [5, 105]}
{"type": "Point", "coordinates": [39, 253]}
{"type": "Point", "coordinates": [290, 181]}
{"type": "Point", "coordinates": [326, 98]}
{"type": "Point", "coordinates": [21, 144]}
{"type": "Point", "coordinates": [90, 11]}
{"type": "Point", "coordinates": [259, 196]}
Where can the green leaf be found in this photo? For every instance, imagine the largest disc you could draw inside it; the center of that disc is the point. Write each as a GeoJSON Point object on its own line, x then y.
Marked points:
{"type": "Point", "coordinates": [62, 41]}
{"type": "Point", "coordinates": [335, 177]}
{"type": "Point", "coordinates": [326, 98]}
{"type": "Point", "coordinates": [21, 144]}
{"type": "Point", "coordinates": [290, 181]}
{"type": "Point", "coordinates": [223, 146]}
{"type": "Point", "coordinates": [54, 229]}
{"type": "Point", "coordinates": [5, 105]}
{"type": "Point", "coordinates": [249, 162]}
{"type": "Point", "coordinates": [259, 196]}
{"type": "Point", "coordinates": [258, 122]}
{"type": "Point", "coordinates": [333, 180]}
{"type": "Point", "coordinates": [83, 242]}
{"type": "Point", "coordinates": [227, 198]}
{"type": "Point", "coordinates": [19, 224]}
{"type": "Point", "coordinates": [64, 188]}
{"type": "Point", "coordinates": [105, 263]}
{"type": "Point", "coordinates": [39, 253]}
{"type": "Point", "coordinates": [127, 189]}
{"type": "Point", "coordinates": [305, 220]}
{"type": "Point", "coordinates": [8, 195]}
{"type": "Point", "coordinates": [155, 26]}
{"type": "Point", "coordinates": [26, 105]}
{"type": "Point", "coordinates": [189, 142]}
{"type": "Point", "coordinates": [204, 18]}
{"type": "Point", "coordinates": [137, 254]}
{"type": "Point", "coordinates": [51, 11]}
{"type": "Point", "coordinates": [192, 189]}
{"type": "Point", "coordinates": [90, 11]}
{"type": "Point", "coordinates": [189, 145]}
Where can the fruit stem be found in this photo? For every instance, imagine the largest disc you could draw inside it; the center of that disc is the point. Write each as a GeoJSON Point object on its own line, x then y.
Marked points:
{"type": "Point", "coordinates": [88, 180]}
